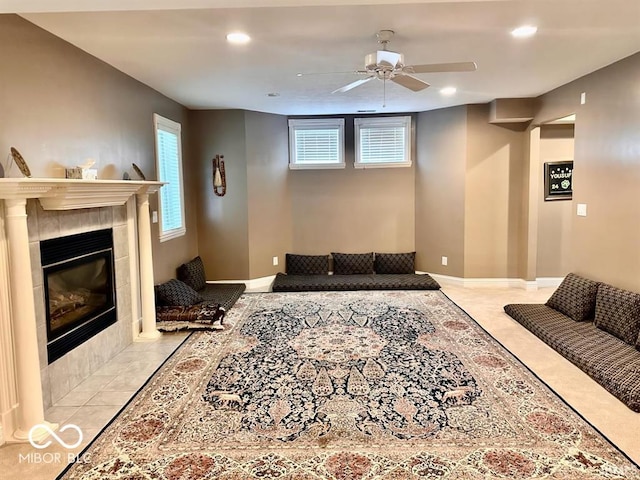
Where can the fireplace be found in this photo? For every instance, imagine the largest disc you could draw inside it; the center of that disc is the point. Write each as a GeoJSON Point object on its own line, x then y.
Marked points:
{"type": "Point", "coordinates": [79, 287]}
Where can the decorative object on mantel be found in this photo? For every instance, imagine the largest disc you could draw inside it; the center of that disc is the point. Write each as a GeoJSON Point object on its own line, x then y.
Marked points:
{"type": "Point", "coordinates": [219, 178]}
{"type": "Point", "coordinates": [136, 169]}
{"type": "Point", "coordinates": [18, 160]}
{"type": "Point", "coordinates": [125, 176]}
{"type": "Point", "coordinates": [82, 172]}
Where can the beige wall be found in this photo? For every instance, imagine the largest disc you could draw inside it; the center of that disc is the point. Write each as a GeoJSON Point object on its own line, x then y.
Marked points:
{"type": "Point", "coordinates": [240, 233]}
{"type": "Point", "coordinates": [223, 222]}
{"type": "Point", "coordinates": [353, 210]}
{"type": "Point", "coordinates": [440, 190]}
{"type": "Point", "coordinates": [554, 217]}
{"type": "Point", "coordinates": [61, 106]}
{"type": "Point", "coordinates": [269, 199]}
{"type": "Point", "coordinates": [605, 244]}
{"type": "Point", "coordinates": [493, 191]}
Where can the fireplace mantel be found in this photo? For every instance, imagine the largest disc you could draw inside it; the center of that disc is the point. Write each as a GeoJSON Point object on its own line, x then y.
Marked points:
{"type": "Point", "coordinates": [70, 194]}
{"type": "Point", "coordinates": [21, 400]}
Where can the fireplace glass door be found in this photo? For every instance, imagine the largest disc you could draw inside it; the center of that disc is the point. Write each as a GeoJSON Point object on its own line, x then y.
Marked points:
{"type": "Point", "coordinates": [79, 286]}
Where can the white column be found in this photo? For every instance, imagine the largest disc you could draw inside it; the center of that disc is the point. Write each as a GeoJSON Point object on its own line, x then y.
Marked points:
{"type": "Point", "coordinates": [149, 330]}
{"type": "Point", "coordinates": [30, 409]}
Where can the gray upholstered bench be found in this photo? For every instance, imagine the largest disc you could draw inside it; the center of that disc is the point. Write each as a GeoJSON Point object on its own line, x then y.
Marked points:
{"type": "Point", "coordinates": [595, 326]}
{"type": "Point", "coordinates": [189, 302]}
{"type": "Point", "coordinates": [352, 271]}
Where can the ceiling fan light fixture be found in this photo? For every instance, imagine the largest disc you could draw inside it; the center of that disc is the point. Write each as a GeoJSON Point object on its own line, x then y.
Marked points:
{"type": "Point", "coordinates": [238, 38]}
{"type": "Point", "coordinates": [524, 31]}
{"type": "Point", "coordinates": [448, 91]}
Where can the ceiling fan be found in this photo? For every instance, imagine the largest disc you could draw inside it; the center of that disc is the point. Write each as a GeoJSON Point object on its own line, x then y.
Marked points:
{"type": "Point", "coordinates": [387, 65]}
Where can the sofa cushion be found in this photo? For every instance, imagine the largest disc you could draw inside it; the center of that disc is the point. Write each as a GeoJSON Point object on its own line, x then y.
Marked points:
{"type": "Point", "coordinates": [192, 273]}
{"type": "Point", "coordinates": [352, 263]}
{"type": "Point", "coordinates": [575, 297]}
{"type": "Point", "coordinates": [395, 262]}
{"type": "Point", "coordinates": [174, 292]}
{"type": "Point", "coordinates": [618, 312]}
{"type": "Point", "coordinates": [307, 264]}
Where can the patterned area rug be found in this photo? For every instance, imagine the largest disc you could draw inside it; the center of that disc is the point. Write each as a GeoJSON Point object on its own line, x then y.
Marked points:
{"type": "Point", "coordinates": [348, 385]}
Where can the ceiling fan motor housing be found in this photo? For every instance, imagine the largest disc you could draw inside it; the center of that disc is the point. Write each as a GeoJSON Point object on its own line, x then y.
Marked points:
{"type": "Point", "coordinates": [383, 60]}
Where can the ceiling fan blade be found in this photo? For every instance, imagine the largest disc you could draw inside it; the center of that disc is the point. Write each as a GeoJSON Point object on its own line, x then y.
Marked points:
{"type": "Point", "coordinates": [355, 84]}
{"type": "Point", "coordinates": [412, 83]}
{"type": "Point", "coordinates": [304, 74]}
{"type": "Point", "coordinates": [442, 67]}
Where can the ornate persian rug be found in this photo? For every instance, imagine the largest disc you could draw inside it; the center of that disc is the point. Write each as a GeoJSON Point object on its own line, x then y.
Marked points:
{"type": "Point", "coordinates": [348, 385]}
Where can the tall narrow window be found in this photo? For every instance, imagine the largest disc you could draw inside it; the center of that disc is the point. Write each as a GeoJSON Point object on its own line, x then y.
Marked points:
{"type": "Point", "coordinates": [169, 166]}
{"type": "Point", "coordinates": [316, 143]}
{"type": "Point", "coordinates": [383, 142]}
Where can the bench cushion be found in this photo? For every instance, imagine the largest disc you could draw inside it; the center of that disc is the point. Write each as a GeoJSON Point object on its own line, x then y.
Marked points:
{"type": "Point", "coordinates": [575, 297]}
{"type": "Point", "coordinates": [309, 283]}
{"type": "Point", "coordinates": [307, 264]}
{"type": "Point", "coordinates": [192, 273]}
{"type": "Point", "coordinates": [352, 263]}
{"type": "Point", "coordinates": [610, 362]}
{"type": "Point", "coordinates": [618, 312]}
{"type": "Point", "coordinates": [174, 293]}
{"type": "Point", "coordinates": [395, 262]}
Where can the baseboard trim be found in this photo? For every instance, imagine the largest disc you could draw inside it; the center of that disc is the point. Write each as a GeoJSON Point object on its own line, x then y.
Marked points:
{"type": "Point", "coordinates": [262, 284]}
{"type": "Point", "coordinates": [528, 285]}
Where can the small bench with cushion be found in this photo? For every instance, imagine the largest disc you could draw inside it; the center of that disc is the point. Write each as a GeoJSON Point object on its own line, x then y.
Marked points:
{"type": "Point", "coordinates": [595, 326]}
{"type": "Point", "coordinates": [359, 271]}
{"type": "Point", "coordinates": [189, 302]}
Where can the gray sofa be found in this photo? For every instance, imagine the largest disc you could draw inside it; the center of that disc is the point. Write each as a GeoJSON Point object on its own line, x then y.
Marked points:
{"type": "Point", "coordinates": [595, 326]}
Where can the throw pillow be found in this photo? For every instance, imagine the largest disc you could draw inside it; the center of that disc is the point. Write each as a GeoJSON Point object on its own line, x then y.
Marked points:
{"type": "Point", "coordinates": [307, 264]}
{"type": "Point", "coordinates": [618, 312]}
{"type": "Point", "coordinates": [192, 273]}
{"type": "Point", "coordinates": [352, 263]}
{"type": "Point", "coordinates": [175, 292]}
{"type": "Point", "coordinates": [575, 297]}
{"type": "Point", "coordinates": [395, 262]}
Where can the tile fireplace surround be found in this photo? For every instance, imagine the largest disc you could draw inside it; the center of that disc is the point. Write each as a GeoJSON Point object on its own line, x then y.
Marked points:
{"type": "Point", "coordinates": [33, 210]}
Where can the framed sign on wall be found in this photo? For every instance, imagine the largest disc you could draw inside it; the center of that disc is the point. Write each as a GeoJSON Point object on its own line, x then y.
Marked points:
{"type": "Point", "coordinates": [558, 180]}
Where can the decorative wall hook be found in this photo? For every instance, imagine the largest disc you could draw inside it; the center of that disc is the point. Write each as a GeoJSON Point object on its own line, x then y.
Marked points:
{"type": "Point", "coordinates": [219, 179]}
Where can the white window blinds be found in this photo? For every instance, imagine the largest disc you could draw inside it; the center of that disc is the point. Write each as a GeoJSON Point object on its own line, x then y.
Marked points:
{"type": "Point", "coordinates": [316, 143]}
{"type": "Point", "coordinates": [169, 166]}
{"type": "Point", "coordinates": [383, 141]}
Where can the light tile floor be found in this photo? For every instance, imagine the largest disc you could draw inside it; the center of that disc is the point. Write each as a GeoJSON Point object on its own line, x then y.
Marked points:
{"type": "Point", "coordinates": [93, 403]}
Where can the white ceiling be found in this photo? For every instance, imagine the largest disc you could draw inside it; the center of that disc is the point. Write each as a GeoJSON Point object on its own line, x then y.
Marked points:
{"type": "Point", "coordinates": [179, 48]}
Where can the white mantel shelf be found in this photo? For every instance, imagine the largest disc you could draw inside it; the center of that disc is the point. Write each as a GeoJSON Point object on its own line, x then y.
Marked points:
{"type": "Point", "coordinates": [71, 194]}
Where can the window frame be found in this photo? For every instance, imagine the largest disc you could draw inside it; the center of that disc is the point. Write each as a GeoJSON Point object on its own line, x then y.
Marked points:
{"type": "Point", "coordinates": [310, 123]}
{"type": "Point", "coordinates": [161, 123]}
{"type": "Point", "coordinates": [405, 122]}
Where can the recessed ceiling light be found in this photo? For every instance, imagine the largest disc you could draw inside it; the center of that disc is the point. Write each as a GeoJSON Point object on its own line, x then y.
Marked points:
{"type": "Point", "coordinates": [524, 31]}
{"type": "Point", "coordinates": [448, 91]}
{"type": "Point", "coordinates": [238, 38]}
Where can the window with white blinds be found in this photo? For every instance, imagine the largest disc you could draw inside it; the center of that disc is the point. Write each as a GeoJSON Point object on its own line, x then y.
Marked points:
{"type": "Point", "coordinates": [316, 143]}
{"type": "Point", "coordinates": [169, 167]}
{"type": "Point", "coordinates": [383, 142]}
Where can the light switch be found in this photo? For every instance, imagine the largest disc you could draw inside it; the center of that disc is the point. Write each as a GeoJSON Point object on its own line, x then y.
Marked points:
{"type": "Point", "coordinates": [582, 209]}
{"type": "Point", "coordinates": [154, 216]}
{"type": "Point", "coordinates": [583, 98]}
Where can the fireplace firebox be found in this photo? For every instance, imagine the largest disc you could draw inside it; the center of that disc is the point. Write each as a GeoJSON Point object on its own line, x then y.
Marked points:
{"type": "Point", "coordinates": [79, 286]}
